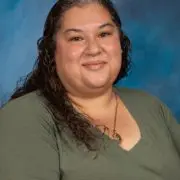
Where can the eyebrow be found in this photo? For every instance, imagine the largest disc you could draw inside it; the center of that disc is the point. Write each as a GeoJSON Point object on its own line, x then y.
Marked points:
{"type": "Point", "coordinates": [100, 27]}
{"type": "Point", "coordinates": [106, 25]}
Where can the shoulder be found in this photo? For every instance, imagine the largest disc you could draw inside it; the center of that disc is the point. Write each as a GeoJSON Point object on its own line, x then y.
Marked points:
{"type": "Point", "coordinates": [29, 102]}
{"type": "Point", "coordinates": [28, 144]}
{"type": "Point", "coordinates": [27, 110]}
{"type": "Point", "coordinates": [144, 102]}
{"type": "Point", "coordinates": [147, 107]}
{"type": "Point", "coordinates": [137, 96]}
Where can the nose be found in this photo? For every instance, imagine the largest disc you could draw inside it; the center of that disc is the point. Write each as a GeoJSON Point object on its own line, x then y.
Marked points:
{"type": "Point", "coordinates": [93, 48]}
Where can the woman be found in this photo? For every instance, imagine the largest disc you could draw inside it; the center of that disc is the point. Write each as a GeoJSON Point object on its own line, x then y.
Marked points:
{"type": "Point", "coordinates": [68, 121]}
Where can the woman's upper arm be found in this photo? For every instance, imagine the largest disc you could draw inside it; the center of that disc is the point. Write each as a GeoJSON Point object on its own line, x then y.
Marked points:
{"type": "Point", "coordinates": [28, 149]}
{"type": "Point", "coordinates": [172, 124]}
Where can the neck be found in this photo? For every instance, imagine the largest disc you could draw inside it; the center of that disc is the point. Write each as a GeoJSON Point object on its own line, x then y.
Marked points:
{"type": "Point", "coordinates": [94, 105]}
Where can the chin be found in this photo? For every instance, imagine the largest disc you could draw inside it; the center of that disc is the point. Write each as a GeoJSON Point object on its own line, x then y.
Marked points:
{"type": "Point", "coordinates": [98, 85]}
{"type": "Point", "coordinates": [102, 80]}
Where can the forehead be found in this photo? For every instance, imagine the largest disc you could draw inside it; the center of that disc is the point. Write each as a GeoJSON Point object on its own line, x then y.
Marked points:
{"type": "Point", "coordinates": [91, 14]}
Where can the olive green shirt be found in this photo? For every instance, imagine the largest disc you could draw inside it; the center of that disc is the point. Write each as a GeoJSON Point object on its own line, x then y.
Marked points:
{"type": "Point", "coordinates": [32, 149]}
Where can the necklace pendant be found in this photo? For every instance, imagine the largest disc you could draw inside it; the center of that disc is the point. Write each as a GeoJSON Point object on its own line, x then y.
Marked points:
{"type": "Point", "coordinates": [116, 136]}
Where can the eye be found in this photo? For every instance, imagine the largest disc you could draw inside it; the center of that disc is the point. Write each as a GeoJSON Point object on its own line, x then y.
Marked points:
{"type": "Point", "coordinates": [75, 38]}
{"type": "Point", "coordinates": [105, 34]}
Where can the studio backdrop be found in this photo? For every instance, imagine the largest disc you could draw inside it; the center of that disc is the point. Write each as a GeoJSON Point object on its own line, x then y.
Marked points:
{"type": "Point", "coordinates": [152, 25]}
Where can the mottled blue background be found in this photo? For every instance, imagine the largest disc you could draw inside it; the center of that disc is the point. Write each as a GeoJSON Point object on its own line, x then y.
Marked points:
{"type": "Point", "coordinates": [152, 25]}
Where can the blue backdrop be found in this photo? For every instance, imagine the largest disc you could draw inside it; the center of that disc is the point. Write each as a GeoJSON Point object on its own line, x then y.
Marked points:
{"type": "Point", "coordinates": [152, 25]}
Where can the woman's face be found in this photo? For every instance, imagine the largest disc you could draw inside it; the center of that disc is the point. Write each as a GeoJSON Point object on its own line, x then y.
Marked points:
{"type": "Point", "coordinates": [88, 50]}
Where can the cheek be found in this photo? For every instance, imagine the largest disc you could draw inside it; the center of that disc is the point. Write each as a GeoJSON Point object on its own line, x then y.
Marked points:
{"type": "Point", "coordinates": [68, 53]}
{"type": "Point", "coordinates": [67, 57]}
{"type": "Point", "coordinates": [114, 50]}
{"type": "Point", "coordinates": [72, 54]}
{"type": "Point", "coordinates": [115, 53]}
{"type": "Point", "coordinates": [113, 45]}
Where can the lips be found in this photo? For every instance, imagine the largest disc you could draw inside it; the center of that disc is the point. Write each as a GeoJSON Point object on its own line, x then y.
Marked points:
{"type": "Point", "coordinates": [94, 63]}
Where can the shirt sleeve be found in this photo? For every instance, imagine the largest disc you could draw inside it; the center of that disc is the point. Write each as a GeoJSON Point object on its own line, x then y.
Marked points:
{"type": "Point", "coordinates": [172, 125]}
{"type": "Point", "coordinates": [28, 148]}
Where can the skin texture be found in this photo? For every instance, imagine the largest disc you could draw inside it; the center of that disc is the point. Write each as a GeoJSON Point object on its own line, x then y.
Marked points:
{"type": "Point", "coordinates": [88, 51]}
{"type": "Point", "coordinates": [86, 86]}
{"type": "Point", "coordinates": [88, 60]}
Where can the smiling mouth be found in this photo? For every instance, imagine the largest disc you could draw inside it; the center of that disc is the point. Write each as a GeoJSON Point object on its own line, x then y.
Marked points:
{"type": "Point", "coordinates": [94, 65]}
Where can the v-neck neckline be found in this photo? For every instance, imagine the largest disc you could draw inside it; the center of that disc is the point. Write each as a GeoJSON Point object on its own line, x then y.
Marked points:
{"type": "Point", "coordinates": [132, 113]}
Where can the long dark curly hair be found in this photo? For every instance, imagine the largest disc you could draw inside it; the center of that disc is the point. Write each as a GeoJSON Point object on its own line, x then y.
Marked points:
{"type": "Point", "coordinates": [45, 80]}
